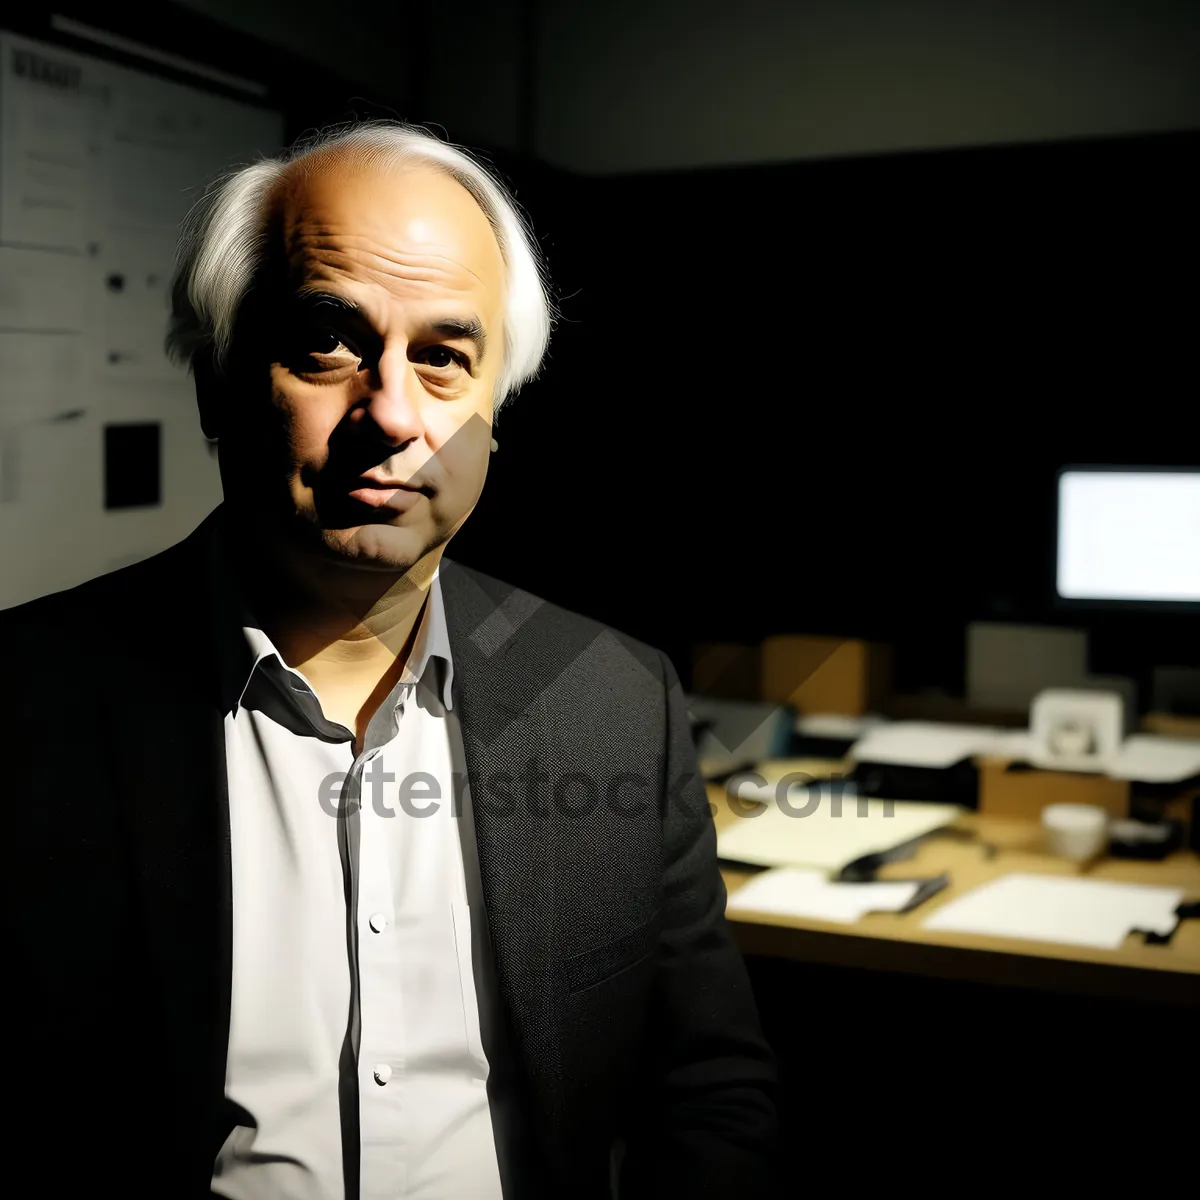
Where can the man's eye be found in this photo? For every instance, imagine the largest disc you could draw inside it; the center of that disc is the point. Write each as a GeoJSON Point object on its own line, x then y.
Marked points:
{"type": "Point", "coordinates": [322, 341]}
{"type": "Point", "coordinates": [441, 357]}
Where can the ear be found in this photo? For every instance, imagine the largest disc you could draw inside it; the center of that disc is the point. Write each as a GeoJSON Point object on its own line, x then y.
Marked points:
{"type": "Point", "coordinates": [209, 393]}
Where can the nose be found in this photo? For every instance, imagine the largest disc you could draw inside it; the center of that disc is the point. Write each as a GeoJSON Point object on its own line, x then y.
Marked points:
{"type": "Point", "coordinates": [393, 402]}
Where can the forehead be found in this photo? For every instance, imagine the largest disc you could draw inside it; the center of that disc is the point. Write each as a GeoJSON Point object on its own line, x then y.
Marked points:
{"type": "Point", "coordinates": [406, 233]}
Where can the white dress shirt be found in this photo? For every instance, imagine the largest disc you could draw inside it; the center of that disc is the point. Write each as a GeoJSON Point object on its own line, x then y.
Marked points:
{"type": "Point", "coordinates": [355, 1058]}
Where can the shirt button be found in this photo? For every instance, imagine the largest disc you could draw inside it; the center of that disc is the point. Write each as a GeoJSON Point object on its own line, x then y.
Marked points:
{"type": "Point", "coordinates": [378, 922]}
{"type": "Point", "coordinates": [382, 1074]}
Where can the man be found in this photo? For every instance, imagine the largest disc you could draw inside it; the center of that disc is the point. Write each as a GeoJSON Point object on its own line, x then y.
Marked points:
{"type": "Point", "coordinates": [335, 868]}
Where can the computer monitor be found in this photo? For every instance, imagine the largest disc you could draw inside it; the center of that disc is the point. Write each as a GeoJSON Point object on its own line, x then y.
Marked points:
{"type": "Point", "coordinates": [1128, 537]}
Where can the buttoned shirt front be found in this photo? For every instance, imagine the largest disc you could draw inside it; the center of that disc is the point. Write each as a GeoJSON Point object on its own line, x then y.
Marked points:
{"type": "Point", "coordinates": [355, 1060]}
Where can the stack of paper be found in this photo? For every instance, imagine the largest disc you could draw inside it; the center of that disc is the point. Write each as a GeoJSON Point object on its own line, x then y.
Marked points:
{"type": "Point", "coordinates": [1146, 758]}
{"type": "Point", "coordinates": [823, 828]}
{"type": "Point", "coordinates": [837, 725]}
{"type": "Point", "coordinates": [1051, 908]}
{"type": "Point", "coordinates": [797, 893]}
{"type": "Point", "coordinates": [929, 743]}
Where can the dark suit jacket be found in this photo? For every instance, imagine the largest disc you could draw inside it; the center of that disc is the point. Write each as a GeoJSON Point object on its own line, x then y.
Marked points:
{"type": "Point", "coordinates": [631, 1031]}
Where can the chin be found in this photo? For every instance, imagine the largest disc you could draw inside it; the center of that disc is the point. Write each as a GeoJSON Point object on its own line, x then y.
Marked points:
{"type": "Point", "coordinates": [380, 547]}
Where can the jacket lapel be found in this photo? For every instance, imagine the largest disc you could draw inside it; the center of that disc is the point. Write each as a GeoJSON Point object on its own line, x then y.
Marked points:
{"type": "Point", "coordinates": [513, 820]}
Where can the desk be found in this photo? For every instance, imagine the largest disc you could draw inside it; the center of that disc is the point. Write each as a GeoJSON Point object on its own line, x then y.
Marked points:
{"type": "Point", "coordinates": [897, 942]}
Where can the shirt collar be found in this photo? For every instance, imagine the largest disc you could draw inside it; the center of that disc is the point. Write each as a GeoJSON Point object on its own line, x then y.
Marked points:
{"type": "Point", "coordinates": [244, 644]}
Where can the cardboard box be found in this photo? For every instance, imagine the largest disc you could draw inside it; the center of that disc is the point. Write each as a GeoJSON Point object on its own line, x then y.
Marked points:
{"type": "Point", "coordinates": [1010, 789]}
{"type": "Point", "coordinates": [825, 674]}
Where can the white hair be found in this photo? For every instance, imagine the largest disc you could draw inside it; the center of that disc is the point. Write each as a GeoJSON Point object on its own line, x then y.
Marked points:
{"type": "Point", "coordinates": [224, 239]}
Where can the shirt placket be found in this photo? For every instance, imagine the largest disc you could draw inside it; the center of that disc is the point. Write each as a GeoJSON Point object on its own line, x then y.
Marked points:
{"type": "Point", "coordinates": [381, 1060]}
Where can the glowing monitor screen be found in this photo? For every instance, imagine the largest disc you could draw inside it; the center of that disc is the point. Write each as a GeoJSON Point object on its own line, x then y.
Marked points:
{"type": "Point", "coordinates": [1129, 536]}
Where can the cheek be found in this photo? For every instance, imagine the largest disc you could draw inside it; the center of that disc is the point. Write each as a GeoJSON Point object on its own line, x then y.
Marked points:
{"type": "Point", "coordinates": [461, 444]}
{"type": "Point", "coordinates": [305, 426]}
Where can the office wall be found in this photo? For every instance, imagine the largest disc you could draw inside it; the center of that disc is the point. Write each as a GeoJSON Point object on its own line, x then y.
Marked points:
{"type": "Point", "coordinates": [461, 66]}
{"type": "Point", "coordinates": [368, 48]}
{"type": "Point", "coordinates": [643, 85]}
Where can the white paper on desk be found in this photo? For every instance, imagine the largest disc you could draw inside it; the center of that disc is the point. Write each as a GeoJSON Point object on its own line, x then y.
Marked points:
{"type": "Point", "coordinates": [837, 725]}
{"type": "Point", "coordinates": [926, 743]}
{"type": "Point", "coordinates": [1147, 758]}
{"type": "Point", "coordinates": [823, 829]}
{"type": "Point", "coordinates": [1051, 908]}
{"type": "Point", "coordinates": [793, 892]}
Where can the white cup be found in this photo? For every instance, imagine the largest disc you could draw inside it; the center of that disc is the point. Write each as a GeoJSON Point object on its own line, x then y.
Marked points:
{"type": "Point", "coordinates": [1075, 831]}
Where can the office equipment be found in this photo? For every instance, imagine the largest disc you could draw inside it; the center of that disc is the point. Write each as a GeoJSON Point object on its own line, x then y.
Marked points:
{"type": "Point", "coordinates": [803, 893]}
{"type": "Point", "coordinates": [822, 826]}
{"type": "Point", "coordinates": [924, 761]}
{"type": "Point", "coordinates": [1128, 537]}
{"type": "Point", "coordinates": [1046, 908]}
{"type": "Point", "coordinates": [1008, 665]}
{"type": "Point", "coordinates": [1151, 840]}
{"type": "Point", "coordinates": [1075, 729]}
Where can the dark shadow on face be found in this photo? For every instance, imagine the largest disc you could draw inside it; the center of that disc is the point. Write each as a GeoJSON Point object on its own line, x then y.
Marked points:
{"type": "Point", "coordinates": [294, 486]}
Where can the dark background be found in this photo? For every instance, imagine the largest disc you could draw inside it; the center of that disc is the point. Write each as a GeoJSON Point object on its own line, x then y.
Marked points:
{"type": "Point", "coordinates": [827, 395]}
{"type": "Point", "coordinates": [821, 396]}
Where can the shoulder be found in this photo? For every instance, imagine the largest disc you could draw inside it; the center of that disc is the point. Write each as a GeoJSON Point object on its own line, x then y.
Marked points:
{"type": "Point", "coordinates": [99, 611]}
{"type": "Point", "coordinates": [494, 616]}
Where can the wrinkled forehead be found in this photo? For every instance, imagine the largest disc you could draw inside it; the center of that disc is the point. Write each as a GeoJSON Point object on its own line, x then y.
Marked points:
{"type": "Point", "coordinates": [407, 228]}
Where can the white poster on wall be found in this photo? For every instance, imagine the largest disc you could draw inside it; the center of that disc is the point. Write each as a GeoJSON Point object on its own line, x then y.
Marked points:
{"type": "Point", "coordinates": [99, 163]}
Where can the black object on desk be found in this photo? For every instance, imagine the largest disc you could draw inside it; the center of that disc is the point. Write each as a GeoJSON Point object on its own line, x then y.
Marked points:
{"type": "Point", "coordinates": [1150, 840]}
{"type": "Point", "coordinates": [864, 870]}
{"type": "Point", "coordinates": [954, 784]}
{"type": "Point", "coordinates": [1189, 910]}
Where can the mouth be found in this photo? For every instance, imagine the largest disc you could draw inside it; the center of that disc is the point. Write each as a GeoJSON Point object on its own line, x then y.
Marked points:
{"type": "Point", "coordinates": [386, 493]}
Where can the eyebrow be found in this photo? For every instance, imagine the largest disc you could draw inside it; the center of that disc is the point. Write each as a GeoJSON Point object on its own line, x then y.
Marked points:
{"type": "Point", "coordinates": [452, 328]}
{"type": "Point", "coordinates": [466, 328]}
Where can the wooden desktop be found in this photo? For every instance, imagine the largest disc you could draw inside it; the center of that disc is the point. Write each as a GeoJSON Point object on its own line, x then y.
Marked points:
{"type": "Point", "coordinates": [1167, 974]}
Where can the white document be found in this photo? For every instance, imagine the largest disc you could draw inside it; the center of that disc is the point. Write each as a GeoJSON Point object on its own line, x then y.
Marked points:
{"type": "Point", "coordinates": [792, 892]}
{"type": "Point", "coordinates": [1146, 758]}
{"type": "Point", "coordinates": [926, 743]}
{"type": "Point", "coordinates": [819, 828]}
{"type": "Point", "coordinates": [1069, 911]}
{"type": "Point", "coordinates": [1011, 743]}
{"type": "Point", "coordinates": [836, 725]}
